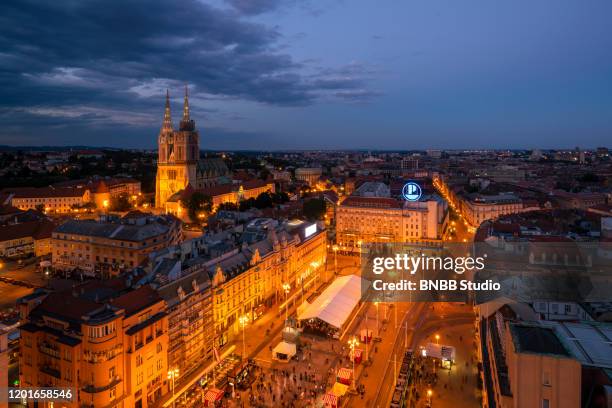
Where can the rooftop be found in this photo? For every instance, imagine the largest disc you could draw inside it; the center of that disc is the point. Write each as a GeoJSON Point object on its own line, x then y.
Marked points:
{"type": "Point", "coordinates": [530, 338]}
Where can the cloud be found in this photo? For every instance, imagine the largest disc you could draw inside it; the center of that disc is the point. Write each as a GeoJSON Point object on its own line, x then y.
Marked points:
{"type": "Point", "coordinates": [90, 60]}
{"type": "Point", "coordinates": [254, 7]}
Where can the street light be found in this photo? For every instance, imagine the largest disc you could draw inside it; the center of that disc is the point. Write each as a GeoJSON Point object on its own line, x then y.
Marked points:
{"type": "Point", "coordinates": [437, 339]}
{"type": "Point", "coordinates": [173, 375]}
{"type": "Point", "coordinates": [335, 248]}
{"type": "Point", "coordinates": [286, 289]}
{"type": "Point", "coordinates": [429, 394]}
{"type": "Point", "coordinates": [352, 344]}
{"type": "Point", "coordinates": [244, 320]}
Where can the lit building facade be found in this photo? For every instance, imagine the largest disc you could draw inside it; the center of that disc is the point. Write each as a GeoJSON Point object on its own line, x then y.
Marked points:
{"type": "Point", "coordinates": [382, 219]}
{"type": "Point", "coordinates": [105, 248]}
{"type": "Point", "coordinates": [48, 199]}
{"type": "Point", "coordinates": [248, 280]}
{"type": "Point", "coordinates": [111, 354]}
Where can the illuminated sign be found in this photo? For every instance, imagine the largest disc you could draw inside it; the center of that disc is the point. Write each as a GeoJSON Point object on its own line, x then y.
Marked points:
{"type": "Point", "coordinates": [309, 230]}
{"type": "Point", "coordinates": [412, 191]}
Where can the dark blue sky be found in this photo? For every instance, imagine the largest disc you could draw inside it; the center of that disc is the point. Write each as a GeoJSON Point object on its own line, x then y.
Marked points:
{"type": "Point", "coordinates": [278, 74]}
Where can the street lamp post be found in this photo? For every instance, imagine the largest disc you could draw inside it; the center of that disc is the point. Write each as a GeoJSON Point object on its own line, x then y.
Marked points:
{"type": "Point", "coordinates": [172, 376]}
{"type": "Point", "coordinates": [286, 289]}
{"type": "Point", "coordinates": [243, 322]}
{"type": "Point", "coordinates": [352, 344]}
{"type": "Point", "coordinates": [437, 339]}
{"type": "Point", "coordinates": [429, 394]}
{"type": "Point", "coordinates": [335, 248]}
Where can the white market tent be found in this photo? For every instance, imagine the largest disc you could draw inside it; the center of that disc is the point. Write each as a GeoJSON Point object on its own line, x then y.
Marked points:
{"type": "Point", "coordinates": [284, 351]}
{"type": "Point", "coordinates": [336, 303]}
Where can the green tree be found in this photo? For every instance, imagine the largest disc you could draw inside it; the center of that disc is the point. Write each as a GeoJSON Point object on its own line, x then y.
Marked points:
{"type": "Point", "coordinates": [196, 204]}
{"type": "Point", "coordinates": [120, 203]}
{"type": "Point", "coordinates": [314, 209]}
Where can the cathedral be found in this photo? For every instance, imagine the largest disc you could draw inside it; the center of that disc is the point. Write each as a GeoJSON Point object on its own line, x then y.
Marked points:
{"type": "Point", "coordinates": [179, 164]}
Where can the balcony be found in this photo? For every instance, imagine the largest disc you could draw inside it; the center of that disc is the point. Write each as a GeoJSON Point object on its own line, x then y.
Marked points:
{"type": "Point", "coordinates": [49, 351]}
{"type": "Point", "coordinates": [92, 389]}
{"type": "Point", "coordinates": [52, 371]}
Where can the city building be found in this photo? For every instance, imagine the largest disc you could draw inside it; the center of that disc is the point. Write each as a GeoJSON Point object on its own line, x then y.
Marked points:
{"type": "Point", "coordinates": [4, 364]}
{"type": "Point", "coordinates": [47, 199]}
{"type": "Point", "coordinates": [110, 245]}
{"type": "Point", "coordinates": [309, 175]}
{"type": "Point", "coordinates": [541, 370]}
{"type": "Point", "coordinates": [249, 279]}
{"type": "Point", "coordinates": [361, 220]}
{"type": "Point", "coordinates": [478, 208]}
{"type": "Point", "coordinates": [220, 194]}
{"type": "Point", "coordinates": [188, 296]}
{"type": "Point", "coordinates": [111, 352]}
{"type": "Point", "coordinates": [179, 163]}
{"type": "Point", "coordinates": [26, 238]}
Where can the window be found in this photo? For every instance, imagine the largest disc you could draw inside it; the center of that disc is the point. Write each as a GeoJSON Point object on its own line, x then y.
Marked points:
{"type": "Point", "coordinates": [112, 393]}
{"type": "Point", "coordinates": [139, 378]}
{"type": "Point", "coordinates": [111, 372]}
{"type": "Point", "coordinates": [138, 361]}
{"type": "Point", "coordinates": [545, 403]}
{"type": "Point", "coordinates": [546, 378]}
{"type": "Point", "coordinates": [568, 309]}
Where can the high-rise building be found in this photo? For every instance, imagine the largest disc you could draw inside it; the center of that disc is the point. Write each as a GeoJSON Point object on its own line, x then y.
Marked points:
{"type": "Point", "coordinates": [179, 163]}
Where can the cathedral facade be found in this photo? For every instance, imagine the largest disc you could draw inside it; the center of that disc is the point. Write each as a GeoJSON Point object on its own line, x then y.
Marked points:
{"type": "Point", "coordinates": [178, 163]}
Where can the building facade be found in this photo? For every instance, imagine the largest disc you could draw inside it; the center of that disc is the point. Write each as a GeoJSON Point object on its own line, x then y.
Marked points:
{"type": "Point", "coordinates": [381, 219]}
{"type": "Point", "coordinates": [249, 279]}
{"type": "Point", "coordinates": [111, 353]}
{"type": "Point", "coordinates": [106, 247]}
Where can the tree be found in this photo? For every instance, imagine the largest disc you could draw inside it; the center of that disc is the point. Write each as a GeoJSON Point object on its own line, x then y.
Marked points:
{"type": "Point", "coordinates": [196, 204]}
{"type": "Point", "coordinates": [314, 209]}
{"type": "Point", "coordinates": [120, 203]}
{"type": "Point", "coordinates": [227, 207]}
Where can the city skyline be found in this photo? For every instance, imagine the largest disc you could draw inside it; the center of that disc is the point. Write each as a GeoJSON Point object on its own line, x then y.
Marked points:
{"type": "Point", "coordinates": [284, 75]}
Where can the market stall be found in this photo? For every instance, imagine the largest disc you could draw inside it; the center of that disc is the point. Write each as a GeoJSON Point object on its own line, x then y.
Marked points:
{"type": "Point", "coordinates": [284, 351]}
{"type": "Point", "coordinates": [344, 376]}
{"type": "Point", "coordinates": [212, 396]}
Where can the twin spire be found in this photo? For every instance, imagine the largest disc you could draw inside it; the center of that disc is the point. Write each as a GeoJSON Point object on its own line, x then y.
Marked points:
{"type": "Point", "coordinates": [186, 122]}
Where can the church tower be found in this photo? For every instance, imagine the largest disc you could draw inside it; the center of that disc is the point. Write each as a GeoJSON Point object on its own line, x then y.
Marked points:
{"type": "Point", "coordinates": [178, 154]}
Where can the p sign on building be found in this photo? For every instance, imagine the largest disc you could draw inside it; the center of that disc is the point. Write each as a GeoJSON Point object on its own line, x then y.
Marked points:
{"type": "Point", "coordinates": [412, 191]}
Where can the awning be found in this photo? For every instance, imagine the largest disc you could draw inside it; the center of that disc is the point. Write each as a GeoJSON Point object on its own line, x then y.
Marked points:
{"type": "Point", "coordinates": [285, 348]}
{"type": "Point", "coordinates": [213, 394]}
{"type": "Point", "coordinates": [345, 373]}
{"type": "Point", "coordinates": [339, 389]}
{"type": "Point", "coordinates": [337, 302]}
{"type": "Point", "coordinates": [330, 400]}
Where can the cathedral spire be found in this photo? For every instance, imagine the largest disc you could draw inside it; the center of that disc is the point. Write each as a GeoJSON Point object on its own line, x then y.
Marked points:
{"type": "Point", "coordinates": [167, 124]}
{"type": "Point", "coordinates": [186, 105]}
{"type": "Point", "coordinates": [186, 123]}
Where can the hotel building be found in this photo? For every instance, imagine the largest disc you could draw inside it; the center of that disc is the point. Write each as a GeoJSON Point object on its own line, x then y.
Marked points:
{"type": "Point", "coordinates": [385, 219]}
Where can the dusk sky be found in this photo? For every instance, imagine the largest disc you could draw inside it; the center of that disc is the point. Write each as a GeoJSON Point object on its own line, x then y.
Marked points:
{"type": "Point", "coordinates": [291, 74]}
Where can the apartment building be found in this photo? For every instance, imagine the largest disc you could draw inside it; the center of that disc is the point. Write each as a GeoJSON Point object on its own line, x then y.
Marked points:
{"type": "Point", "coordinates": [110, 245]}
{"type": "Point", "coordinates": [111, 353]}
{"type": "Point", "coordinates": [250, 278]}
